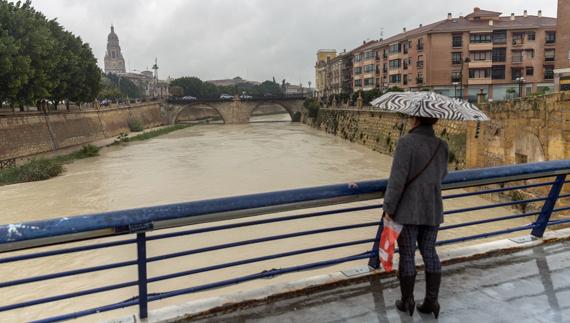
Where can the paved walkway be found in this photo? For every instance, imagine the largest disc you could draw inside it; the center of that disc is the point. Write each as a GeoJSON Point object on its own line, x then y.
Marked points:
{"type": "Point", "coordinates": [532, 285]}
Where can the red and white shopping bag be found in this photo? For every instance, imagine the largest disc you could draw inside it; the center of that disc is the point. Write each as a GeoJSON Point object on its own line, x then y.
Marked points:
{"type": "Point", "coordinates": [388, 239]}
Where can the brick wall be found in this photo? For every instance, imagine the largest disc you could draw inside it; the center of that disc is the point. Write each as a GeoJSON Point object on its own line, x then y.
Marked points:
{"type": "Point", "coordinates": [28, 134]}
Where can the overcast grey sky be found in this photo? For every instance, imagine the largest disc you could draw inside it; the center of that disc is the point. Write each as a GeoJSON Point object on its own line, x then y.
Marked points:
{"type": "Point", "coordinates": [255, 39]}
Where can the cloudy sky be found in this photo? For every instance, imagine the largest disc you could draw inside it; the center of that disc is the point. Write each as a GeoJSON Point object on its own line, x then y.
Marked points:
{"type": "Point", "coordinates": [255, 39]}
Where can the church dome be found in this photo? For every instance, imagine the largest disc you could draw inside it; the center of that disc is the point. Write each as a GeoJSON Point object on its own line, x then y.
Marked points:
{"type": "Point", "coordinates": [112, 36]}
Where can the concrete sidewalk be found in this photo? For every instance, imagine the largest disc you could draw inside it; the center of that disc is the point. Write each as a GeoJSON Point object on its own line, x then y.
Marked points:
{"type": "Point", "coordinates": [531, 285]}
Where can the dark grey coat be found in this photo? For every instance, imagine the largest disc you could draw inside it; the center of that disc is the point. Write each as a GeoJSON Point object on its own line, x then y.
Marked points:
{"type": "Point", "coordinates": [421, 203]}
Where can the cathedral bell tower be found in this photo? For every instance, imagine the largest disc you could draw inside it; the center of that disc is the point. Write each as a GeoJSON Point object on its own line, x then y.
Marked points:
{"type": "Point", "coordinates": [114, 61]}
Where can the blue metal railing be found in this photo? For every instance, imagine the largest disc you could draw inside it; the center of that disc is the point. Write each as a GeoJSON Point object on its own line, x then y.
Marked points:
{"type": "Point", "coordinates": [139, 222]}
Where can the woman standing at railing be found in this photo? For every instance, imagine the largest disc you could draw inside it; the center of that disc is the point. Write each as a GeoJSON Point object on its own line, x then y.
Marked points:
{"type": "Point", "coordinates": [413, 199]}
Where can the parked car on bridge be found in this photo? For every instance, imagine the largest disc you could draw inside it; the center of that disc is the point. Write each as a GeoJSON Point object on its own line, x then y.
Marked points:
{"type": "Point", "coordinates": [189, 98]}
{"type": "Point", "coordinates": [245, 97]}
{"type": "Point", "coordinates": [226, 97]}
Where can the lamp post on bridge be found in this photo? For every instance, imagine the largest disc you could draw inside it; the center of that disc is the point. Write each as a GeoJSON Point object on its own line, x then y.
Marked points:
{"type": "Point", "coordinates": [520, 81]}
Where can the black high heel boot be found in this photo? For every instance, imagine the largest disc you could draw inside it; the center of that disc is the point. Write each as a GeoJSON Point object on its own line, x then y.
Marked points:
{"type": "Point", "coordinates": [407, 303]}
{"type": "Point", "coordinates": [431, 304]}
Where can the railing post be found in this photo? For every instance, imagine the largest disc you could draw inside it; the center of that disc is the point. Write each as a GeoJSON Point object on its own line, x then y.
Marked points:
{"type": "Point", "coordinates": [141, 264]}
{"type": "Point", "coordinates": [374, 261]}
{"type": "Point", "coordinates": [544, 217]}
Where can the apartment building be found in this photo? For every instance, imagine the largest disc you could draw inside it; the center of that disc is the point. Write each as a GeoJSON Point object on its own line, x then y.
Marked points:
{"type": "Point", "coordinates": [501, 55]}
{"type": "Point", "coordinates": [461, 56]}
{"type": "Point", "coordinates": [562, 71]}
{"type": "Point", "coordinates": [323, 77]}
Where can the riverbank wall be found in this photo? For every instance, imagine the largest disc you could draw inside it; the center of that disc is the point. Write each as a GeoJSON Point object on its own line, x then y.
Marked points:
{"type": "Point", "coordinates": [27, 134]}
{"type": "Point", "coordinates": [380, 131]}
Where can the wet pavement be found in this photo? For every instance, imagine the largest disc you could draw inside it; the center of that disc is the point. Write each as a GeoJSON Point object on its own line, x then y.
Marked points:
{"type": "Point", "coordinates": [531, 285]}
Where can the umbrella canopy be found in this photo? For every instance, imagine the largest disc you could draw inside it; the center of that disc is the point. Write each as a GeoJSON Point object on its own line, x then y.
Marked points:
{"type": "Point", "coordinates": [430, 105]}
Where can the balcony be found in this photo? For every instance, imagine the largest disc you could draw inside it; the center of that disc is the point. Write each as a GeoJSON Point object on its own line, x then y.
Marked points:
{"type": "Point", "coordinates": [480, 46]}
{"type": "Point", "coordinates": [517, 60]}
{"type": "Point", "coordinates": [480, 81]}
{"type": "Point", "coordinates": [518, 42]}
{"type": "Point", "coordinates": [481, 64]}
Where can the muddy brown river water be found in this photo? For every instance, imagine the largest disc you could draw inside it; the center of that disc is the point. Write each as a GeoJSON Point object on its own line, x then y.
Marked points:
{"type": "Point", "coordinates": [200, 162]}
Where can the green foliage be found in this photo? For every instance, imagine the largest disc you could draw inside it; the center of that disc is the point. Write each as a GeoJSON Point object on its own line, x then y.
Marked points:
{"type": "Point", "coordinates": [394, 89]}
{"type": "Point", "coordinates": [40, 60]}
{"type": "Point", "coordinates": [116, 87]}
{"type": "Point", "coordinates": [158, 132]}
{"type": "Point", "coordinates": [195, 87]}
{"type": "Point", "coordinates": [135, 125]}
{"type": "Point", "coordinates": [368, 96]}
{"type": "Point", "coordinates": [176, 90]}
{"type": "Point", "coordinates": [35, 170]}
{"type": "Point", "coordinates": [313, 106]}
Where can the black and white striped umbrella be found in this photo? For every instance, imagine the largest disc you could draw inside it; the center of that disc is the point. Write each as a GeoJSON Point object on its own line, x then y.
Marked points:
{"type": "Point", "coordinates": [430, 105]}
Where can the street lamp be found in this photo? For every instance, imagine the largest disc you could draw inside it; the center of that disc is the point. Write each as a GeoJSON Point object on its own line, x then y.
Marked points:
{"type": "Point", "coordinates": [455, 84]}
{"type": "Point", "coordinates": [520, 80]}
{"type": "Point", "coordinates": [466, 60]}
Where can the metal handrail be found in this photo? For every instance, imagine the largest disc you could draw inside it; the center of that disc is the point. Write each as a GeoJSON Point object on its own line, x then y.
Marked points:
{"type": "Point", "coordinates": [139, 221]}
{"type": "Point", "coordinates": [46, 232]}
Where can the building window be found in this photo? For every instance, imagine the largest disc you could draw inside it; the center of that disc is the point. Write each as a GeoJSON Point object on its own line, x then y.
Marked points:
{"type": "Point", "coordinates": [396, 48]}
{"type": "Point", "coordinates": [405, 79]}
{"type": "Point", "coordinates": [406, 47]}
{"type": "Point", "coordinates": [480, 38]}
{"type": "Point", "coordinates": [420, 79]}
{"type": "Point", "coordinates": [518, 39]}
{"type": "Point", "coordinates": [456, 76]}
{"type": "Point", "coordinates": [357, 83]}
{"type": "Point", "coordinates": [498, 72]}
{"type": "Point", "coordinates": [517, 56]}
{"type": "Point", "coordinates": [500, 37]}
{"type": "Point", "coordinates": [358, 70]}
{"type": "Point", "coordinates": [516, 73]}
{"type": "Point", "coordinates": [529, 71]}
{"type": "Point", "coordinates": [385, 68]}
{"type": "Point", "coordinates": [456, 58]}
{"type": "Point", "coordinates": [549, 72]}
{"type": "Point", "coordinates": [479, 73]}
{"type": "Point", "coordinates": [369, 68]}
{"type": "Point", "coordinates": [480, 56]}
{"type": "Point", "coordinates": [112, 54]}
{"type": "Point", "coordinates": [396, 78]}
{"type": "Point", "coordinates": [395, 64]}
{"type": "Point", "coordinates": [499, 54]}
{"type": "Point", "coordinates": [368, 82]}
{"type": "Point", "coordinates": [357, 57]}
{"type": "Point", "coordinates": [420, 63]}
{"type": "Point", "coordinates": [531, 36]}
{"type": "Point", "coordinates": [457, 40]}
{"type": "Point", "coordinates": [529, 53]}
{"type": "Point", "coordinates": [420, 44]}
{"type": "Point", "coordinates": [550, 37]}
{"type": "Point", "coordinates": [368, 55]}
{"type": "Point", "coordinates": [405, 64]}
{"type": "Point", "coordinates": [385, 54]}
{"type": "Point", "coordinates": [549, 55]}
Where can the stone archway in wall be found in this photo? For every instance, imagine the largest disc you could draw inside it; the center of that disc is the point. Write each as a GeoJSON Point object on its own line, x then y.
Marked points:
{"type": "Point", "coordinates": [528, 148]}
{"type": "Point", "coordinates": [270, 112]}
{"type": "Point", "coordinates": [199, 113]}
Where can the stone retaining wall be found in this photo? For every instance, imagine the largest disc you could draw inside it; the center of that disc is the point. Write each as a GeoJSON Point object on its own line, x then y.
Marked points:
{"type": "Point", "coordinates": [28, 134]}
{"type": "Point", "coordinates": [380, 131]}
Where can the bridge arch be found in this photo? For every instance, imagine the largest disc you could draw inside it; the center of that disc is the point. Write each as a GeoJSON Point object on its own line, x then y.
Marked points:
{"type": "Point", "coordinates": [187, 108]}
{"type": "Point", "coordinates": [528, 148]}
{"type": "Point", "coordinates": [282, 105]}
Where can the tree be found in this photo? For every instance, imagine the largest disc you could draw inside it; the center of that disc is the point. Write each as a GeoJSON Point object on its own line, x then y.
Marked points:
{"type": "Point", "coordinates": [40, 60]}
{"type": "Point", "coordinates": [176, 90]}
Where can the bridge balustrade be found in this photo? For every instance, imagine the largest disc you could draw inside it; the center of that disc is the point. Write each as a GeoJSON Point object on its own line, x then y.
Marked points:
{"type": "Point", "coordinates": [143, 226]}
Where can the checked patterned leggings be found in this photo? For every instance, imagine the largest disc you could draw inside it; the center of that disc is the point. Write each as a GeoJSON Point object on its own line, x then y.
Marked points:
{"type": "Point", "coordinates": [425, 237]}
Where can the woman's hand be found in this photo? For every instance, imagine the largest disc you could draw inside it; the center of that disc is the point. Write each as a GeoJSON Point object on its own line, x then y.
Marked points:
{"type": "Point", "coordinates": [353, 186]}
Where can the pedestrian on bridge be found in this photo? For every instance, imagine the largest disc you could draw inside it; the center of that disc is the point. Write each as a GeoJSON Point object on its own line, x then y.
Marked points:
{"type": "Point", "coordinates": [413, 196]}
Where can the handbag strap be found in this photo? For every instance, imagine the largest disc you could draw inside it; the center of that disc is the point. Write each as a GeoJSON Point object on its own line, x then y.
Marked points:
{"type": "Point", "coordinates": [409, 182]}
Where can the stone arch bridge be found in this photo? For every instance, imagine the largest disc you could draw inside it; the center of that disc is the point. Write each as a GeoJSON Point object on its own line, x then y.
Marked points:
{"type": "Point", "coordinates": [231, 111]}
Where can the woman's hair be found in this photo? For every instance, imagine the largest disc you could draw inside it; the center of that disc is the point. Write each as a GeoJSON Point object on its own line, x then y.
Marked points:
{"type": "Point", "coordinates": [427, 121]}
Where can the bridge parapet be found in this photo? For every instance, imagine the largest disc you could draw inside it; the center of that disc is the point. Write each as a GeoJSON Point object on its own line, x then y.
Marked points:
{"type": "Point", "coordinates": [140, 222]}
{"type": "Point", "coordinates": [235, 111]}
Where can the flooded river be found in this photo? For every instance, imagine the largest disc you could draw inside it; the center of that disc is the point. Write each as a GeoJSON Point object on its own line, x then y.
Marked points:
{"type": "Point", "coordinates": [200, 162]}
